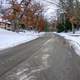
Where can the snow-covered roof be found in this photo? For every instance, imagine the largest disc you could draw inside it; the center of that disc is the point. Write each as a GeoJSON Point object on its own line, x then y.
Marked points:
{"type": "Point", "coordinates": [4, 21]}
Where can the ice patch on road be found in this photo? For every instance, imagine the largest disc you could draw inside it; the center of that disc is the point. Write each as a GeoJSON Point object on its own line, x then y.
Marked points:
{"type": "Point", "coordinates": [31, 71]}
{"type": "Point", "coordinates": [45, 59]}
{"type": "Point", "coordinates": [22, 71]}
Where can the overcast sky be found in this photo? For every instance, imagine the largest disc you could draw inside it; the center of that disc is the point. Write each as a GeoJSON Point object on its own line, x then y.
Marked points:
{"type": "Point", "coordinates": [51, 8]}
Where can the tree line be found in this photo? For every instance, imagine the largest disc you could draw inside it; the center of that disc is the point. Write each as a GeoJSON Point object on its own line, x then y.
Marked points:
{"type": "Point", "coordinates": [25, 14]}
{"type": "Point", "coordinates": [71, 14]}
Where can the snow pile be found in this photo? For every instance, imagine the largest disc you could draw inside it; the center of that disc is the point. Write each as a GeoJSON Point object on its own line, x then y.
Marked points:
{"type": "Point", "coordinates": [11, 39]}
{"type": "Point", "coordinates": [74, 40]}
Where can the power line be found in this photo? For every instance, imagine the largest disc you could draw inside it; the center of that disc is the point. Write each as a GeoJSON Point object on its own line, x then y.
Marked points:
{"type": "Point", "coordinates": [53, 3]}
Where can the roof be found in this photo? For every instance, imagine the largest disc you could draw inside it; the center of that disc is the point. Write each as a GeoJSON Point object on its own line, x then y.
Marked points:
{"type": "Point", "coordinates": [5, 21]}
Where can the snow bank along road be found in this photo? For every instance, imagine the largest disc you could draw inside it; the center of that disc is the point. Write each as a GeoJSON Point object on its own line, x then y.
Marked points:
{"type": "Point", "coordinates": [46, 58]}
{"type": "Point", "coordinates": [73, 39]}
{"type": "Point", "coordinates": [11, 39]}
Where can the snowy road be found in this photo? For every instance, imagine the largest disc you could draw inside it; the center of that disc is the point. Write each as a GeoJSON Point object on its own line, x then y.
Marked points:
{"type": "Point", "coordinates": [46, 58]}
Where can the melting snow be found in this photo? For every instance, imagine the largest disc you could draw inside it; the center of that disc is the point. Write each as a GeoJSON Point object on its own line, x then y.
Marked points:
{"type": "Point", "coordinates": [74, 40]}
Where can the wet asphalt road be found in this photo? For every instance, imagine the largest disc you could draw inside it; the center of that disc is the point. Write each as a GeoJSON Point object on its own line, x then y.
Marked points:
{"type": "Point", "coordinates": [47, 58]}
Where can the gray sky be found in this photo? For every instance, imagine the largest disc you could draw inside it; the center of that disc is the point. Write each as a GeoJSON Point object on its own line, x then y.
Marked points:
{"type": "Point", "coordinates": [51, 8]}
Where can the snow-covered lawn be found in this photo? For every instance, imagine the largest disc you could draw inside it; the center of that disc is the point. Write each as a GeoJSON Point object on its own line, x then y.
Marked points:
{"type": "Point", "coordinates": [74, 40]}
{"type": "Point", "coordinates": [11, 39]}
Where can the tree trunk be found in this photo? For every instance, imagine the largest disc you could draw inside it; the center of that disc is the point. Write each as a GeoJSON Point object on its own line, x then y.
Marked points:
{"type": "Point", "coordinates": [73, 28]}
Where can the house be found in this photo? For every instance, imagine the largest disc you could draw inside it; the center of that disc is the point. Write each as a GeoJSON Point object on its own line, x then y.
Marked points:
{"type": "Point", "coordinates": [5, 24]}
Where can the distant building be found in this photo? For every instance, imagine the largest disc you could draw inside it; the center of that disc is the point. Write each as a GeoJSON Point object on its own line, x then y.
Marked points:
{"type": "Point", "coordinates": [5, 24]}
